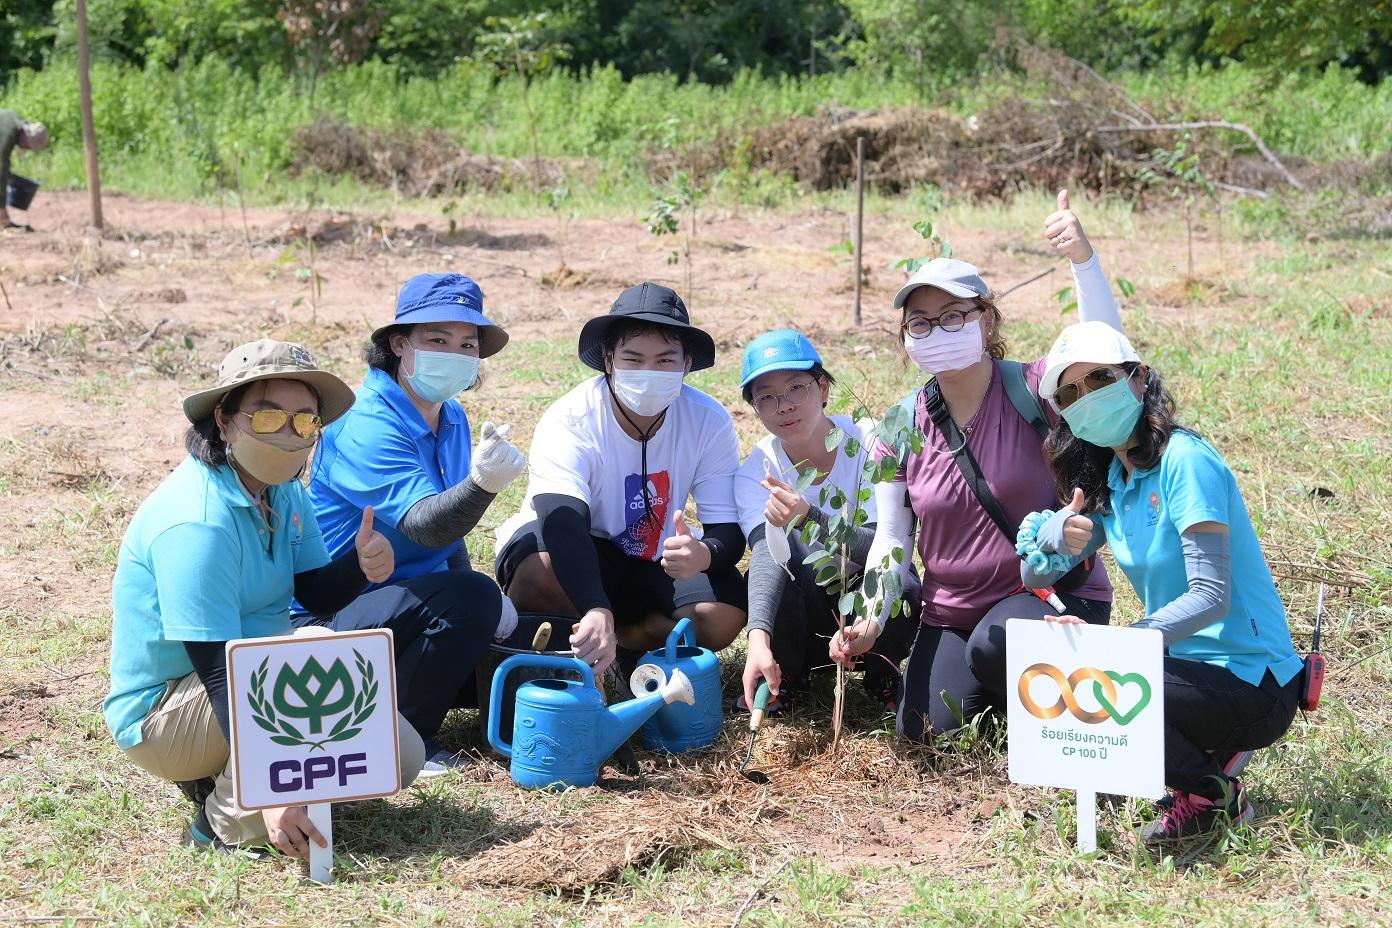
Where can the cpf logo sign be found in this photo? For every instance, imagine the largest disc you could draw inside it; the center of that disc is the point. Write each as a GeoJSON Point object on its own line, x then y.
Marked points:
{"type": "Point", "coordinates": [314, 695]}
{"type": "Point", "coordinates": [1082, 707]}
{"type": "Point", "coordinates": [313, 718]}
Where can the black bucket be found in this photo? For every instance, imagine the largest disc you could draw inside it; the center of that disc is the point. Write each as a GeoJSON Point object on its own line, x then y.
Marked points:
{"type": "Point", "coordinates": [520, 642]}
{"type": "Point", "coordinates": [20, 192]}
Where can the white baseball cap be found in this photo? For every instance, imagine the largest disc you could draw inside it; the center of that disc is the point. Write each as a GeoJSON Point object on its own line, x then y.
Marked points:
{"type": "Point", "coordinates": [947, 274]}
{"type": "Point", "coordinates": [1084, 343]}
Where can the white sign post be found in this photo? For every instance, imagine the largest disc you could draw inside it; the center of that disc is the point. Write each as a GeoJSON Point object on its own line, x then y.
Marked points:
{"type": "Point", "coordinates": [1086, 711]}
{"type": "Point", "coordinates": [313, 723]}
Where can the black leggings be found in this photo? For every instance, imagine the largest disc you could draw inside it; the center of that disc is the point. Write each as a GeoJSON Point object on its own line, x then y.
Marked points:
{"type": "Point", "coordinates": [442, 625]}
{"type": "Point", "coordinates": [955, 674]}
{"type": "Point", "coordinates": [1210, 714]}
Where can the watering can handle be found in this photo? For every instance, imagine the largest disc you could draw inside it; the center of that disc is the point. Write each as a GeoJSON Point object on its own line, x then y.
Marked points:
{"type": "Point", "coordinates": [683, 629]}
{"type": "Point", "coordinates": [495, 695]}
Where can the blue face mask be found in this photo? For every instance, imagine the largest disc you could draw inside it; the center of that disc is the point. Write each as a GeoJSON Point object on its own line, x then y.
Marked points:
{"type": "Point", "coordinates": [1105, 417]}
{"type": "Point", "coordinates": [442, 375]}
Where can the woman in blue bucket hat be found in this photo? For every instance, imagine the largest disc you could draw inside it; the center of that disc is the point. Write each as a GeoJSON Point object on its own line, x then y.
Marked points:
{"type": "Point", "coordinates": [406, 455]}
{"type": "Point", "coordinates": [790, 615]}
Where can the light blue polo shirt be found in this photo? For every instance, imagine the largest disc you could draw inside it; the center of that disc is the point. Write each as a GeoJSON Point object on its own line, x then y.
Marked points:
{"type": "Point", "coordinates": [1193, 484]}
{"type": "Point", "coordinates": [382, 454]}
{"type": "Point", "coordinates": [198, 563]}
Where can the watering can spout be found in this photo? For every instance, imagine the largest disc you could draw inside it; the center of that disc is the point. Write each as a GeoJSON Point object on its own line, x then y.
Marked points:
{"type": "Point", "coordinates": [627, 717]}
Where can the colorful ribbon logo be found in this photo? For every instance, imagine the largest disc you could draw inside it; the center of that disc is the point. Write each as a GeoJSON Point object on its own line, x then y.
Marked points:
{"type": "Point", "coordinates": [1104, 690]}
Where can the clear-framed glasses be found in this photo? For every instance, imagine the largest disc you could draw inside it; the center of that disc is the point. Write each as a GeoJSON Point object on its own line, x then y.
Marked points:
{"type": "Point", "coordinates": [950, 321]}
{"type": "Point", "coordinates": [766, 404]}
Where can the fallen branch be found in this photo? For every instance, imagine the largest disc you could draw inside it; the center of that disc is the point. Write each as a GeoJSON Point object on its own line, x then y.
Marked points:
{"type": "Point", "coordinates": [149, 336]}
{"type": "Point", "coordinates": [1024, 283]}
{"type": "Point", "coordinates": [1212, 124]}
{"type": "Point", "coordinates": [758, 891]}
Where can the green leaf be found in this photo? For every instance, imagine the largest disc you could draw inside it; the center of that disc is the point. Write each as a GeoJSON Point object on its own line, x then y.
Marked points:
{"type": "Point", "coordinates": [872, 582]}
{"type": "Point", "coordinates": [859, 518]}
{"type": "Point", "coordinates": [350, 733]}
{"type": "Point", "coordinates": [263, 723]}
{"type": "Point", "coordinates": [827, 575]}
{"type": "Point", "coordinates": [924, 227]}
{"type": "Point", "coordinates": [838, 500]}
{"type": "Point", "coordinates": [851, 447]}
{"type": "Point", "coordinates": [833, 438]}
{"type": "Point", "coordinates": [898, 554]}
{"type": "Point", "coordinates": [1126, 287]}
{"type": "Point", "coordinates": [288, 742]}
{"type": "Point", "coordinates": [946, 250]}
{"type": "Point", "coordinates": [865, 494]}
{"type": "Point", "coordinates": [290, 730]}
{"type": "Point", "coordinates": [846, 604]}
{"type": "Point", "coordinates": [340, 725]}
{"type": "Point", "coordinates": [806, 478]}
{"type": "Point", "coordinates": [817, 557]}
{"type": "Point", "coordinates": [834, 525]}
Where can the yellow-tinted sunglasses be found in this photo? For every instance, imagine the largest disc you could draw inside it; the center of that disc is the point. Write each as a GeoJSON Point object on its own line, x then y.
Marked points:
{"type": "Point", "coordinates": [269, 421]}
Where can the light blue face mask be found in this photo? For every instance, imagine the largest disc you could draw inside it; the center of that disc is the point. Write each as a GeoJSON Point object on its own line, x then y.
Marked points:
{"type": "Point", "coordinates": [1105, 417]}
{"type": "Point", "coordinates": [442, 375]}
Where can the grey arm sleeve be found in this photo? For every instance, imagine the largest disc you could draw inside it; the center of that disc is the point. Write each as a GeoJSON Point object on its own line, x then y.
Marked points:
{"type": "Point", "coordinates": [1208, 565]}
{"type": "Point", "coordinates": [459, 560]}
{"type": "Point", "coordinates": [446, 517]}
{"type": "Point", "coordinates": [860, 541]}
{"type": "Point", "coordinates": [767, 582]}
{"type": "Point", "coordinates": [1034, 581]}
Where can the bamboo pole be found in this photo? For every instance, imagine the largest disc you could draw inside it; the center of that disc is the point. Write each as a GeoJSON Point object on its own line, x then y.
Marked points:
{"type": "Point", "coordinates": [89, 132]}
{"type": "Point", "coordinates": [859, 223]}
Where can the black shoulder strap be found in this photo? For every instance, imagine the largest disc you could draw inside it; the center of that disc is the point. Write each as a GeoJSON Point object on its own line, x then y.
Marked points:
{"type": "Point", "coordinates": [1025, 401]}
{"type": "Point", "coordinates": [971, 472]}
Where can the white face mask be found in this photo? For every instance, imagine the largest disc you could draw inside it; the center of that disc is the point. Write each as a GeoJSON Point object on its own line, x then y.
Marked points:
{"type": "Point", "coordinates": [946, 351]}
{"type": "Point", "coordinates": [646, 393]}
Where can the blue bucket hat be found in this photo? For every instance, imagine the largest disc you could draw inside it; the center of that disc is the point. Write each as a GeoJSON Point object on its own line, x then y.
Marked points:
{"type": "Point", "coordinates": [445, 298]}
{"type": "Point", "coordinates": [779, 350]}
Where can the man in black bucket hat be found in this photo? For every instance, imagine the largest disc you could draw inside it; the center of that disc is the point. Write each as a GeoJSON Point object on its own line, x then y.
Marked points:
{"type": "Point", "coordinates": [16, 133]}
{"type": "Point", "coordinates": [602, 535]}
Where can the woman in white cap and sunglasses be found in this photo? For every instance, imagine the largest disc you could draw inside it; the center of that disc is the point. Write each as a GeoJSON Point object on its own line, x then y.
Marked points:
{"type": "Point", "coordinates": [980, 470]}
{"type": "Point", "coordinates": [1168, 505]}
{"type": "Point", "coordinates": [406, 452]}
{"type": "Point", "coordinates": [213, 555]}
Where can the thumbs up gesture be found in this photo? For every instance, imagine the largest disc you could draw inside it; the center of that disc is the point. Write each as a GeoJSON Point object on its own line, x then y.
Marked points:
{"type": "Point", "coordinates": [1067, 531]}
{"type": "Point", "coordinates": [683, 554]}
{"type": "Point", "coordinates": [1065, 232]}
{"type": "Point", "coordinates": [375, 555]}
{"type": "Point", "coordinates": [496, 462]}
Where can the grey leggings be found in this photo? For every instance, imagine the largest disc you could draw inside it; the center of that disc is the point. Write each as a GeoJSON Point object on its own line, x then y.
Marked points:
{"type": "Point", "coordinates": [955, 674]}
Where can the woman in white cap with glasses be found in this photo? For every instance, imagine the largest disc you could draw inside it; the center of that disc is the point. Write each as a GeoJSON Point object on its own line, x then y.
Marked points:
{"type": "Point", "coordinates": [790, 615]}
{"type": "Point", "coordinates": [979, 471]}
{"type": "Point", "coordinates": [1168, 506]}
{"type": "Point", "coordinates": [213, 555]}
{"type": "Point", "coordinates": [407, 453]}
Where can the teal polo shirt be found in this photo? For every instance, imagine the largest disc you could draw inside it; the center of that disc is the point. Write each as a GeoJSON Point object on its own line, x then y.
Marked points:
{"type": "Point", "coordinates": [1193, 484]}
{"type": "Point", "coordinates": [198, 563]}
{"type": "Point", "coordinates": [382, 454]}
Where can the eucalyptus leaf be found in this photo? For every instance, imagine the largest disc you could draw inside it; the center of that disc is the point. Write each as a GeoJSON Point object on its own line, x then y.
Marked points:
{"type": "Point", "coordinates": [833, 438]}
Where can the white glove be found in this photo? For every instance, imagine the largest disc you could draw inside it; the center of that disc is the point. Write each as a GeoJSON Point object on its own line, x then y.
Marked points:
{"type": "Point", "coordinates": [507, 620]}
{"type": "Point", "coordinates": [496, 462]}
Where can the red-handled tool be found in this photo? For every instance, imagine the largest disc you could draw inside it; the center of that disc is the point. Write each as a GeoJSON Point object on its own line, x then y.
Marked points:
{"type": "Point", "coordinates": [1047, 594]}
{"type": "Point", "coordinates": [1313, 680]}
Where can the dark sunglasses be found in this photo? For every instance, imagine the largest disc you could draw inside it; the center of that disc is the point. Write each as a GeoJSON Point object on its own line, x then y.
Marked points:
{"type": "Point", "coordinates": [1069, 393]}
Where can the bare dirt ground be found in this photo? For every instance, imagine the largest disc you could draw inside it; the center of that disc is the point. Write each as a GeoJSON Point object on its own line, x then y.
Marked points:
{"type": "Point", "coordinates": [101, 335]}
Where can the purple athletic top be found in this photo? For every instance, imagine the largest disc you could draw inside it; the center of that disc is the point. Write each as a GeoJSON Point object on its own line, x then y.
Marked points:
{"type": "Point", "coordinates": [968, 564]}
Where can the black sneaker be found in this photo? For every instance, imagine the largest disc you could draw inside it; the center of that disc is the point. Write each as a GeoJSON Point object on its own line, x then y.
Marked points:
{"type": "Point", "coordinates": [1189, 815]}
{"type": "Point", "coordinates": [197, 791]}
{"type": "Point", "coordinates": [199, 833]}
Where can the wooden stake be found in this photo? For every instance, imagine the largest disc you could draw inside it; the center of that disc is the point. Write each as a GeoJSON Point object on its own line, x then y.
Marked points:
{"type": "Point", "coordinates": [89, 132]}
{"type": "Point", "coordinates": [859, 223]}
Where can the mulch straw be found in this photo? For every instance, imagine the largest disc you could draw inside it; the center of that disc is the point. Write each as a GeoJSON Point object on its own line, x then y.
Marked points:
{"type": "Point", "coordinates": [691, 803]}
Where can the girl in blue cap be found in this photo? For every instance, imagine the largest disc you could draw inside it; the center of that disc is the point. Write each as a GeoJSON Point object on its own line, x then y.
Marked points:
{"type": "Point", "coordinates": [406, 450]}
{"type": "Point", "coordinates": [790, 615]}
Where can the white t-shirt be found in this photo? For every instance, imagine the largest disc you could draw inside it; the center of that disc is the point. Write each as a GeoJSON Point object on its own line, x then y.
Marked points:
{"type": "Point", "coordinates": [580, 449]}
{"type": "Point", "coordinates": [750, 494]}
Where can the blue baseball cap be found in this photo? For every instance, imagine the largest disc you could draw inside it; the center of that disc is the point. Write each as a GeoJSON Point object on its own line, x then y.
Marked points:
{"type": "Point", "coordinates": [779, 350]}
{"type": "Point", "coordinates": [445, 298]}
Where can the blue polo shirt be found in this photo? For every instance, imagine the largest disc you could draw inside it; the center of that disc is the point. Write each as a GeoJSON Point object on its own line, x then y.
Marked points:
{"type": "Point", "coordinates": [1193, 484]}
{"type": "Point", "coordinates": [382, 454]}
{"type": "Point", "coordinates": [198, 563]}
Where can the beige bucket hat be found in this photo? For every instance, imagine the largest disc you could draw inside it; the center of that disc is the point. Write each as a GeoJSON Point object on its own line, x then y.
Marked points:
{"type": "Point", "coordinates": [267, 359]}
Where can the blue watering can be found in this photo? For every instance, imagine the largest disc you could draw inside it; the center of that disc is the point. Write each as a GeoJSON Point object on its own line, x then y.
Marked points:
{"type": "Point", "coordinates": [562, 730]}
{"type": "Point", "coordinates": [681, 728]}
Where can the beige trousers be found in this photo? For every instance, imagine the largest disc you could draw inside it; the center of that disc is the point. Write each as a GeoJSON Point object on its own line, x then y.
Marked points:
{"type": "Point", "coordinates": [181, 740]}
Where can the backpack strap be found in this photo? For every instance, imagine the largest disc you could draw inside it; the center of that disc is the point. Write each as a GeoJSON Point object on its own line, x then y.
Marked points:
{"type": "Point", "coordinates": [1025, 400]}
{"type": "Point", "coordinates": [966, 463]}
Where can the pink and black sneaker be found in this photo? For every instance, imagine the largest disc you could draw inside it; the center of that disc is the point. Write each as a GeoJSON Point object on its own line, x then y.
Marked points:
{"type": "Point", "coordinates": [1190, 814]}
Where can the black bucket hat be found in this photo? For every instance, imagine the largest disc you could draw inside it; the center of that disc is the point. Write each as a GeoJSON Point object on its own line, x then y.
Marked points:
{"type": "Point", "coordinates": [652, 303]}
